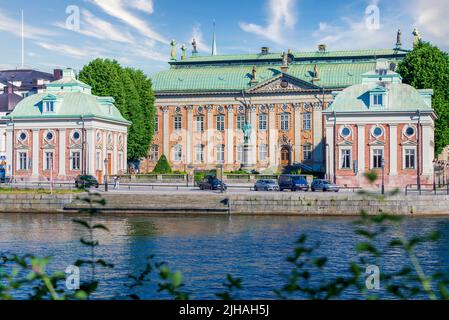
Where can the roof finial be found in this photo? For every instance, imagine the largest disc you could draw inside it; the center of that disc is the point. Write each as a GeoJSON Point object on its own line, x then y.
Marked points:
{"type": "Point", "coordinates": [214, 43]}
{"type": "Point", "coordinates": [416, 37]}
{"type": "Point", "coordinates": [183, 52]}
{"type": "Point", "coordinates": [173, 50]}
{"type": "Point", "coordinates": [254, 75]}
{"type": "Point", "coordinates": [398, 39]}
{"type": "Point", "coordinates": [195, 48]}
{"type": "Point", "coordinates": [316, 76]}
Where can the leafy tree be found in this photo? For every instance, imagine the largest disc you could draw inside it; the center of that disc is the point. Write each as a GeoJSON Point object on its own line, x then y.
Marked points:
{"type": "Point", "coordinates": [427, 67]}
{"type": "Point", "coordinates": [134, 98]}
{"type": "Point", "coordinates": [162, 166]}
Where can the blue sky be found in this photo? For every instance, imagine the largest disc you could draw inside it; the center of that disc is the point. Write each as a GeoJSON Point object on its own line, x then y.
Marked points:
{"type": "Point", "coordinates": [137, 32]}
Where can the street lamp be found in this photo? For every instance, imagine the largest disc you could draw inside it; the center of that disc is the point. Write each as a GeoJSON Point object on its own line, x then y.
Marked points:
{"type": "Point", "coordinates": [435, 166]}
{"type": "Point", "coordinates": [106, 175]}
{"type": "Point", "coordinates": [383, 176]}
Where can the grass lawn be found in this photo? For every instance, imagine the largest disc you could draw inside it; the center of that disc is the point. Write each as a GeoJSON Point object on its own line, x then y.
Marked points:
{"type": "Point", "coordinates": [37, 191]}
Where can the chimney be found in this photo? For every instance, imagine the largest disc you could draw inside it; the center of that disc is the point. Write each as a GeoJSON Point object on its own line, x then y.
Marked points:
{"type": "Point", "coordinates": [9, 89]}
{"type": "Point", "coordinates": [265, 50]}
{"type": "Point", "coordinates": [57, 74]}
{"type": "Point", "coordinates": [322, 48]}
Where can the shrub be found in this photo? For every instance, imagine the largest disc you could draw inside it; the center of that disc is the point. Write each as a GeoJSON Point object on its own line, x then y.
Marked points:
{"type": "Point", "coordinates": [162, 166]}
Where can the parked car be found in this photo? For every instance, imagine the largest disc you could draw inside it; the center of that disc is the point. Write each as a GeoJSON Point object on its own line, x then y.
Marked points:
{"type": "Point", "coordinates": [293, 182]}
{"type": "Point", "coordinates": [324, 185]}
{"type": "Point", "coordinates": [212, 183]}
{"type": "Point", "coordinates": [266, 185]}
{"type": "Point", "coordinates": [86, 181]}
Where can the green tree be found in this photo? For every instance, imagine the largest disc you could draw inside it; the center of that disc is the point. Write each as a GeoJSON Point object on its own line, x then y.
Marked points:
{"type": "Point", "coordinates": [427, 67]}
{"type": "Point", "coordinates": [162, 166]}
{"type": "Point", "coordinates": [134, 98]}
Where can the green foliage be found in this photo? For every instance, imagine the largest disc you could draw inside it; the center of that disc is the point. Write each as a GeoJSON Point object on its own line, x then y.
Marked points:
{"type": "Point", "coordinates": [162, 166]}
{"type": "Point", "coordinates": [133, 95]}
{"type": "Point", "coordinates": [427, 67]}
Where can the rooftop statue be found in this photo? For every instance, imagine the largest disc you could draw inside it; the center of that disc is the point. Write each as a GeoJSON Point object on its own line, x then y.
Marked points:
{"type": "Point", "coordinates": [173, 49]}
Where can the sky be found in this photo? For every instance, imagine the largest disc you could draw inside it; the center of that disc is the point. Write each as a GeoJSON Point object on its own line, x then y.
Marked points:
{"type": "Point", "coordinates": [137, 33]}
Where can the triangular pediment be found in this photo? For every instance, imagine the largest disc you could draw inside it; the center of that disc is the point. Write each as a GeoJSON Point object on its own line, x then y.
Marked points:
{"type": "Point", "coordinates": [377, 143]}
{"type": "Point", "coordinates": [345, 143]}
{"type": "Point", "coordinates": [283, 82]}
{"type": "Point", "coordinates": [408, 143]}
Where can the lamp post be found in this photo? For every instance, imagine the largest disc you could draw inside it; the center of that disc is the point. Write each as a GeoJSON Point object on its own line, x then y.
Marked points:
{"type": "Point", "coordinates": [106, 175]}
{"type": "Point", "coordinates": [435, 166]}
{"type": "Point", "coordinates": [383, 176]}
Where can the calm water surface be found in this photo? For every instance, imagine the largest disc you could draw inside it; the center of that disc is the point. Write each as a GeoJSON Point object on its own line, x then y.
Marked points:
{"type": "Point", "coordinates": [205, 249]}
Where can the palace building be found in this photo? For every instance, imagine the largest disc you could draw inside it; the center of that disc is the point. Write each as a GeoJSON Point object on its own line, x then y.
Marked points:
{"type": "Point", "coordinates": [62, 132]}
{"type": "Point", "coordinates": [203, 103]}
{"type": "Point", "coordinates": [380, 125]}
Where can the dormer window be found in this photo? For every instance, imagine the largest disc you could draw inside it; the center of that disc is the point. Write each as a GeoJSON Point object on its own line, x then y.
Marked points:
{"type": "Point", "coordinates": [49, 106]}
{"type": "Point", "coordinates": [378, 100]}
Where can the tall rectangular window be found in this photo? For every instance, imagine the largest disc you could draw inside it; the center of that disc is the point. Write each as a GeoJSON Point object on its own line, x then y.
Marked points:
{"type": "Point", "coordinates": [346, 159]}
{"type": "Point", "coordinates": [156, 124]}
{"type": "Point", "coordinates": [285, 121]}
{"type": "Point", "coordinates": [220, 153]}
{"type": "Point", "coordinates": [263, 152]}
{"type": "Point", "coordinates": [409, 158]}
{"type": "Point", "coordinates": [49, 106]}
{"type": "Point", "coordinates": [307, 152]}
{"type": "Point", "coordinates": [178, 153]}
{"type": "Point", "coordinates": [378, 155]}
{"type": "Point", "coordinates": [220, 123]}
{"type": "Point", "coordinates": [48, 161]}
{"type": "Point", "coordinates": [377, 100]}
{"type": "Point", "coordinates": [199, 153]}
{"type": "Point", "coordinates": [263, 121]}
{"type": "Point", "coordinates": [239, 153]}
{"type": "Point", "coordinates": [154, 153]}
{"type": "Point", "coordinates": [23, 161]}
{"type": "Point", "coordinates": [199, 123]}
{"type": "Point", "coordinates": [240, 121]}
{"type": "Point", "coordinates": [76, 160]}
{"type": "Point", "coordinates": [306, 121]}
{"type": "Point", "coordinates": [178, 123]}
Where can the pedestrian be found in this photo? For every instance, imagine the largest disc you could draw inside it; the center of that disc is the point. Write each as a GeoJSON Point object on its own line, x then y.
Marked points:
{"type": "Point", "coordinates": [116, 182]}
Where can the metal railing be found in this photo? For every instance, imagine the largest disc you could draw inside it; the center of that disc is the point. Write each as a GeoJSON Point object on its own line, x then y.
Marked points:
{"type": "Point", "coordinates": [427, 189]}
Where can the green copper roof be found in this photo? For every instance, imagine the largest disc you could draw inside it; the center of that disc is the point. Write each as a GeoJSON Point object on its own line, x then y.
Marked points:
{"type": "Point", "coordinates": [237, 78]}
{"type": "Point", "coordinates": [72, 100]}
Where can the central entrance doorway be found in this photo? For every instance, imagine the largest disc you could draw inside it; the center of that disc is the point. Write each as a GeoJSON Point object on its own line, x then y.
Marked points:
{"type": "Point", "coordinates": [286, 156]}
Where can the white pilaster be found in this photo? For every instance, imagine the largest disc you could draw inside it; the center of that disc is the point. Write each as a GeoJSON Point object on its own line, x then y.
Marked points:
{"type": "Point", "coordinates": [165, 132]}
{"type": "Point", "coordinates": [114, 167]}
{"type": "Point", "coordinates": [9, 151]}
{"type": "Point", "coordinates": [393, 150]}
{"type": "Point", "coordinates": [62, 152]}
{"type": "Point", "coordinates": [361, 149]}
{"type": "Point", "coordinates": [209, 134]}
{"type": "Point", "coordinates": [35, 156]}
{"type": "Point", "coordinates": [91, 151]}
{"type": "Point", "coordinates": [230, 137]}
{"type": "Point", "coordinates": [253, 154]}
{"type": "Point", "coordinates": [297, 130]}
{"type": "Point", "coordinates": [189, 137]}
{"type": "Point", "coordinates": [330, 153]}
{"type": "Point", "coordinates": [272, 136]}
{"type": "Point", "coordinates": [427, 152]}
{"type": "Point", "coordinates": [317, 127]}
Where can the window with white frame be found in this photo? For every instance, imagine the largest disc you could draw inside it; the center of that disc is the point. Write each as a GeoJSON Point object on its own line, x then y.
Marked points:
{"type": "Point", "coordinates": [76, 160]}
{"type": "Point", "coordinates": [345, 159]}
{"type": "Point", "coordinates": [377, 99]}
{"type": "Point", "coordinates": [220, 123]}
{"type": "Point", "coordinates": [199, 123]}
{"type": "Point", "coordinates": [220, 153]}
{"type": "Point", "coordinates": [156, 124]}
{"type": "Point", "coordinates": [239, 153]}
{"type": "Point", "coordinates": [263, 152]}
{"type": "Point", "coordinates": [49, 106]}
{"type": "Point", "coordinates": [178, 123]}
{"type": "Point", "coordinates": [409, 158]}
{"type": "Point", "coordinates": [285, 121]}
{"type": "Point", "coordinates": [48, 160]}
{"type": "Point", "coordinates": [23, 161]}
{"type": "Point", "coordinates": [177, 153]}
{"type": "Point", "coordinates": [378, 155]}
{"type": "Point", "coordinates": [154, 153]}
{"type": "Point", "coordinates": [306, 121]}
{"type": "Point", "coordinates": [240, 121]}
{"type": "Point", "coordinates": [263, 121]}
{"type": "Point", "coordinates": [199, 153]}
{"type": "Point", "coordinates": [307, 152]}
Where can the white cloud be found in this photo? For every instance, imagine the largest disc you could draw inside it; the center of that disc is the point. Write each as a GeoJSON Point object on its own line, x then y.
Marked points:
{"type": "Point", "coordinates": [197, 34]}
{"type": "Point", "coordinates": [69, 50]}
{"type": "Point", "coordinates": [13, 26]}
{"type": "Point", "coordinates": [118, 9]}
{"type": "Point", "coordinates": [142, 5]}
{"type": "Point", "coordinates": [430, 16]}
{"type": "Point", "coordinates": [281, 18]}
{"type": "Point", "coordinates": [93, 26]}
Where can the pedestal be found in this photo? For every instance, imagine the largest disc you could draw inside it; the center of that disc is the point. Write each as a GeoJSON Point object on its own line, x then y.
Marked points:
{"type": "Point", "coordinates": [248, 162]}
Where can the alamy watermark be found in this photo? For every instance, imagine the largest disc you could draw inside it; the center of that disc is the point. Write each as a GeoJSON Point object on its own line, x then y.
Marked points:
{"type": "Point", "coordinates": [373, 280]}
{"type": "Point", "coordinates": [72, 21]}
{"type": "Point", "coordinates": [372, 17]}
{"type": "Point", "coordinates": [72, 281]}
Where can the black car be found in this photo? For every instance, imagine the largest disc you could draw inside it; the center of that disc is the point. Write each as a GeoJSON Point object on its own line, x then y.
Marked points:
{"type": "Point", "coordinates": [293, 182]}
{"type": "Point", "coordinates": [211, 183]}
{"type": "Point", "coordinates": [86, 181]}
{"type": "Point", "coordinates": [324, 185]}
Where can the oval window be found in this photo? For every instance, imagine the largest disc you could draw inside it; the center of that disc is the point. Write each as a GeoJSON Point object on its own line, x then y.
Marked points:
{"type": "Point", "coordinates": [377, 132]}
{"type": "Point", "coordinates": [76, 135]}
{"type": "Point", "coordinates": [410, 131]}
{"type": "Point", "coordinates": [23, 136]}
{"type": "Point", "coordinates": [49, 136]}
{"type": "Point", "coordinates": [345, 132]}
